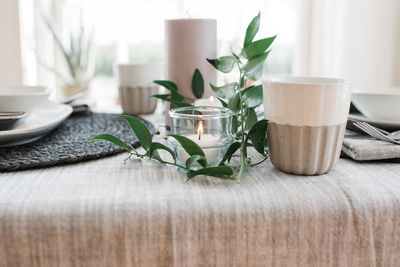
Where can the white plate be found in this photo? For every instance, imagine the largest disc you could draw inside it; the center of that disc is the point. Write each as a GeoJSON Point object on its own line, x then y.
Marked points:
{"type": "Point", "coordinates": [383, 124]}
{"type": "Point", "coordinates": [381, 104]}
{"type": "Point", "coordinates": [37, 124]}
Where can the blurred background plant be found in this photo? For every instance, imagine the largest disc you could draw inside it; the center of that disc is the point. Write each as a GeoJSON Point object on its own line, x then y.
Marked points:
{"type": "Point", "coordinates": [78, 56]}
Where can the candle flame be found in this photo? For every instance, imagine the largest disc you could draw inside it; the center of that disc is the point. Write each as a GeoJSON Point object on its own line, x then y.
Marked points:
{"type": "Point", "coordinates": [200, 129]}
{"type": "Point", "coordinates": [212, 98]}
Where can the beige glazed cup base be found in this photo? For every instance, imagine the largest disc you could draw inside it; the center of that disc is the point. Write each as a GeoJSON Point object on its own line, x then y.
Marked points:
{"type": "Point", "coordinates": [138, 99]}
{"type": "Point", "coordinates": [305, 150]}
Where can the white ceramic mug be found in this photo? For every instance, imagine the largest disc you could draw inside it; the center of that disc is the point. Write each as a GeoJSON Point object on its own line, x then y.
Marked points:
{"type": "Point", "coordinates": [307, 120]}
{"type": "Point", "coordinates": [136, 87]}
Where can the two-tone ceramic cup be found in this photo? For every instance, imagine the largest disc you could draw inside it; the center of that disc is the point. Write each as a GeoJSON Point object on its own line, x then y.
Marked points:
{"type": "Point", "coordinates": [307, 120]}
{"type": "Point", "coordinates": [136, 87]}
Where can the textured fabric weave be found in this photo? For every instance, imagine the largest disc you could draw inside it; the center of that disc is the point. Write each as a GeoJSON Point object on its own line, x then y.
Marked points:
{"type": "Point", "coordinates": [105, 213]}
{"type": "Point", "coordinates": [364, 148]}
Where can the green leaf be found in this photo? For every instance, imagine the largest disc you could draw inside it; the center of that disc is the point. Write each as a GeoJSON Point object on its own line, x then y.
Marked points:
{"type": "Point", "coordinates": [256, 73]}
{"type": "Point", "coordinates": [236, 56]}
{"type": "Point", "coordinates": [251, 119]}
{"type": "Point", "coordinates": [253, 66]}
{"type": "Point", "coordinates": [196, 159]}
{"type": "Point", "coordinates": [188, 145]}
{"type": "Point", "coordinates": [167, 84]}
{"type": "Point", "coordinates": [257, 47]}
{"type": "Point", "coordinates": [242, 82]}
{"type": "Point", "coordinates": [223, 103]}
{"type": "Point", "coordinates": [225, 172]}
{"type": "Point", "coordinates": [254, 96]}
{"type": "Point", "coordinates": [197, 84]}
{"type": "Point", "coordinates": [139, 129]}
{"type": "Point", "coordinates": [252, 30]}
{"type": "Point", "coordinates": [163, 97]}
{"type": "Point", "coordinates": [114, 140]}
{"type": "Point", "coordinates": [176, 97]}
{"type": "Point", "coordinates": [257, 135]}
{"type": "Point", "coordinates": [158, 146]}
{"type": "Point", "coordinates": [235, 124]}
{"type": "Point", "coordinates": [234, 102]}
{"type": "Point", "coordinates": [229, 152]}
{"type": "Point", "coordinates": [179, 105]}
{"type": "Point", "coordinates": [225, 91]}
{"type": "Point", "coordinates": [223, 64]}
{"type": "Point", "coordinates": [245, 90]}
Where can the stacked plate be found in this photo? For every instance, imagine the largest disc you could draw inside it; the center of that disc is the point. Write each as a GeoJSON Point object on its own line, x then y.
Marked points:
{"type": "Point", "coordinates": [380, 107]}
{"type": "Point", "coordinates": [26, 114]}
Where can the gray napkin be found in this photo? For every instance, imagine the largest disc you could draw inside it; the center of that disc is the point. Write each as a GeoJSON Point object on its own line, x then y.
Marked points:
{"type": "Point", "coordinates": [362, 148]}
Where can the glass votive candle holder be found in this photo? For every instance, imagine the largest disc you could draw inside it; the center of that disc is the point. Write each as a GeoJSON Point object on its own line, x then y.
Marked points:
{"type": "Point", "coordinates": [209, 127]}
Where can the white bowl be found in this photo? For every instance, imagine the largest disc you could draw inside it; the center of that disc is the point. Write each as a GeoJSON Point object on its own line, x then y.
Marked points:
{"type": "Point", "coordinates": [383, 104]}
{"type": "Point", "coordinates": [15, 98]}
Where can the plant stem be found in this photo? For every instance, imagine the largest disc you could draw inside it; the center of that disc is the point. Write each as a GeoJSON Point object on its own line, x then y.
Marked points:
{"type": "Point", "coordinates": [255, 164]}
{"type": "Point", "coordinates": [242, 167]}
{"type": "Point", "coordinates": [242, 143]}
{"type": "Point", "coordinates": [162, 161]}
{"type": "Point", "coordinates": [174, 164]}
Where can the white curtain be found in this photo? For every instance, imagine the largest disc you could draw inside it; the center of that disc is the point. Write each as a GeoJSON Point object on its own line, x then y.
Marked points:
{"type": "Point", "coordinates": [354, 39]}
{"type": "Point", "coordinates": [133, 27]}
{"type": "Point", "coordinates": [10, 53]}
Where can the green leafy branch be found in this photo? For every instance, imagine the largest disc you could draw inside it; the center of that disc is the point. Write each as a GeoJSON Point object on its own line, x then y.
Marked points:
{"type": "Point", "coordinates": [175, 98]}
{"type": "Point", "coordinates": [197, 156]}
{"type": "Point", "coordinates": [242, 100]}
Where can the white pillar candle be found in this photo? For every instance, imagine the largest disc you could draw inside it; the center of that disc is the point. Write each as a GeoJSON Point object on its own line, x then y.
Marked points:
{"type": "Point", "coordinates": [188, 42]}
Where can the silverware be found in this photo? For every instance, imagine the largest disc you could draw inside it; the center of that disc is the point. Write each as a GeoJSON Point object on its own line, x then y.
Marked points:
{"type": "Point", "coordinates": [375, 132]}
{"type": "Point", "coordinates": [359, 136]}
{"type": "Point", "coordinates": [10, 120]}
{"type": "Point", "coordinates": [69, 100]}
{"type": "Point", "coordinates": [80, 108]}
{"type": "Point", "coordinates": [7, 115]}
{"type": "Point", "coordinates": [395, 135]}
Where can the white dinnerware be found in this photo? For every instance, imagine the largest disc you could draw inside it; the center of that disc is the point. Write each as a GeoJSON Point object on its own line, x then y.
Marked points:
{"type": "Point", "coordinates": [20, 98]}
{"type": "Point", "coordinates": [379, 105]}
{"type": "Point", "coordinates": [384, 124]}
{"type": "Point", "coordinates": [10, 120]}
{"type": "Point", "coordinates": [37, 124]}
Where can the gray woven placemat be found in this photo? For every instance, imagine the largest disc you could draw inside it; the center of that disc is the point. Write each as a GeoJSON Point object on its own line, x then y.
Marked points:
{"type": "Point", "coordinates": [69, 143]}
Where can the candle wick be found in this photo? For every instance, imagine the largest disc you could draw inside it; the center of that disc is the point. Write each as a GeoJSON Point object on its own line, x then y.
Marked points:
{"type": "Point", "coordinates": [199, 136]}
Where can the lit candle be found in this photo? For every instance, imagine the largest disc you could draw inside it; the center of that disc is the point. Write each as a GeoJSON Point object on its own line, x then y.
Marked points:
{"type": "Point", "coordinates": [207, 142]}
{"type": "Point", "coordinates": [210, 102]}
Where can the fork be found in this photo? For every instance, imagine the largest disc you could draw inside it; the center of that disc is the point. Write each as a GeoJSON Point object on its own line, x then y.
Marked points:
{"type": "Point", "coordinates": [374, 132]}
{"type": "Point", "coordinates": [394, 135]}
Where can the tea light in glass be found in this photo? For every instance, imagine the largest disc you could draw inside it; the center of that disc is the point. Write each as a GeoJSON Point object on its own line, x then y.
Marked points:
{"type": "Point", "coordinates": [209, 127]}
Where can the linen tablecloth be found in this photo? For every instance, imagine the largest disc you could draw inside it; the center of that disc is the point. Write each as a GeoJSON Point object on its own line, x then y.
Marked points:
{"type": "Point", "coordinates": [105, 213]}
